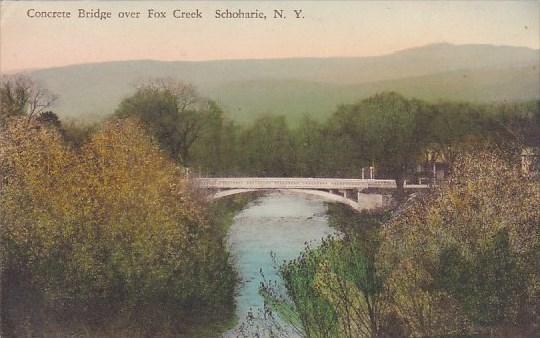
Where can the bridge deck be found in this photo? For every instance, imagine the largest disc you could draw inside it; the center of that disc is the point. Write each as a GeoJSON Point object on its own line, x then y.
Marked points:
{"type": "Point", "coordinates": [292, 183]}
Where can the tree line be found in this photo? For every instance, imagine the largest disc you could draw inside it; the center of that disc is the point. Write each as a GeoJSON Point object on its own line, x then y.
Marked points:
{"type": "Point", "coordinates": [387, 131]}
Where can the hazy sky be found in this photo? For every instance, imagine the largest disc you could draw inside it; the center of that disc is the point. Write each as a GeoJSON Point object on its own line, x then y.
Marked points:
{"type": "Point", "coordinates": [329, 28]}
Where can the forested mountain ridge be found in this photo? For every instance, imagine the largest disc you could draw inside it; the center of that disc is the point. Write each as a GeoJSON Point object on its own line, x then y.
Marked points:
{"type": "Point", "coordinates": [312, 86]}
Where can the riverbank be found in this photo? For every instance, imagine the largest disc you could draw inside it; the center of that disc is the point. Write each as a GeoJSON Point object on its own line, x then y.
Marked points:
{"type": "Point", "coordinates": [32, 315]}
{"type": "Point", "coordinates": [453, 262]}
{"type": "Point", "coordinates": [223, 211]}
{"type": "Point", "coordinates": [104, 240]}
{"type": "Point", "coordinates": [328, 282]}
{"type": "Point", "coordinates": [221, 215]}
{"type": "Point", "coordinates": [347, 220]}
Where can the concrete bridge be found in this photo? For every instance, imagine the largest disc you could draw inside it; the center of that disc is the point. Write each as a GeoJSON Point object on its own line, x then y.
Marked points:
{"type": "Point", "coordinates": [357, 193]}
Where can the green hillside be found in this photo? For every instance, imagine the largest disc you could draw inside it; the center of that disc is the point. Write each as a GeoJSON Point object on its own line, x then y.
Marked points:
{"type": "Point", "coordinates": [246, 100]}
{"type": "Point", "coordinates": [314, 86]}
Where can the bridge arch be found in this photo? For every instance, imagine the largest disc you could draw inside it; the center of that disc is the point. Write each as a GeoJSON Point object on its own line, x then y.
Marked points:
{"type": "Point", "coordinates": [349, 191]}
{"type": "Point", "coordinates": [365, 201]}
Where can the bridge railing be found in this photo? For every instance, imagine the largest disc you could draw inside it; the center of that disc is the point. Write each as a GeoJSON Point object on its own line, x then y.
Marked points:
{"type": "Point", "coordinates": [292, 183]}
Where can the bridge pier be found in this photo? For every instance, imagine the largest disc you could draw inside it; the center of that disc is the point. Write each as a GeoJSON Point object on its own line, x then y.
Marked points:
{"type": "Point", "coordinates": [349, 194]}
{"type": "Point", "coordinates": [370, 201]}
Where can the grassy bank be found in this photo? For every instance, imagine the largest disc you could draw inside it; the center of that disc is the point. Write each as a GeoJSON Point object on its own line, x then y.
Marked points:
{"type": "Point", "coordinates": [222, 211]}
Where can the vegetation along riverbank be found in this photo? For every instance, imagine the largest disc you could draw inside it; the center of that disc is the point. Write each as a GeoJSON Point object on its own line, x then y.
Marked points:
{"type": "Point", "coordinates": [455, 261]}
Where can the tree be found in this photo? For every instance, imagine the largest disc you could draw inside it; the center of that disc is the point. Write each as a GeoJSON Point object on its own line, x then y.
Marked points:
{"type": "Point", "coordinates": [50, 119]}
{"type": "Point", "coordinates": [20, 95]}
{"type": "Point", "coordinates": [214, 151]}
{"type": "Point", "coordinates": [172, 110]}
{"type": "Point", "coordinates": [460, 260]}
{"type": "Point", "coordinates": [311, 149]}
{"type": "Point", "coordinates": [111, 228]}
{"type": "Point", "coordinates": [267, 148]}
{"type": "Point", "coordinates": [347, 131]}
{"type": "Point", "coordinates": [517, 122]}
{"type": "Point", "coordinates": [456, 127]}
{"type": "Point", "coordinates": [386, 129]}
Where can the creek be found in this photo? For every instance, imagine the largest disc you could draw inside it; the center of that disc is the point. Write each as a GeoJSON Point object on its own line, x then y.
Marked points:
{"type": "Point", "coordinates": [279, 225]}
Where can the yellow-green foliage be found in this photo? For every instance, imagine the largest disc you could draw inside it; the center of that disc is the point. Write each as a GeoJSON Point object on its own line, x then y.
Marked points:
{"type": "Point", "coordinates": [334, 290]}
{"type": "Point", "coordinates": [348, 301]}
{"type": "Point", "coordinates": [112, 221]}
{"type": "Point", "coordinates": [463, 258]}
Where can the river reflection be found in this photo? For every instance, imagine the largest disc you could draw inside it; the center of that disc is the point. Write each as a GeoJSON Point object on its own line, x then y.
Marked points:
{"type": "Point", "coordinates": [278, 223]}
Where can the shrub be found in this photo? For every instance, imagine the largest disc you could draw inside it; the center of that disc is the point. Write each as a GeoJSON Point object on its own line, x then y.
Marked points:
{"type": "Point", "coordinates": [459, 260]}
{"type": "Point", "coordinates": [109, 228]}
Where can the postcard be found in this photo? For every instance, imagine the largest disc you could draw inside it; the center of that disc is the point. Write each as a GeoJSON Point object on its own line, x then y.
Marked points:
{"type": "Point", "coordinates": [269, 168]}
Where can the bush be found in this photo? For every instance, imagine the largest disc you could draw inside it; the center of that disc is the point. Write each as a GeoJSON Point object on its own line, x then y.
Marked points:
{"type": "Point", "coordinates": [108, 229]}
{"type": "Point", "coordinates": [333, 290]}
{"type": "Point", "coordinates": [460, 260]}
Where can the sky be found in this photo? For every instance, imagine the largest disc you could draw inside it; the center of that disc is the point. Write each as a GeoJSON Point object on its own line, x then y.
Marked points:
{"type": "Point", "coordinates": [327, 29]}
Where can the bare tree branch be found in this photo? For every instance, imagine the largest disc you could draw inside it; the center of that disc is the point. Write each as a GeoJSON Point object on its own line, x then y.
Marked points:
{"type": "Point", "coordinates": [20, 95]}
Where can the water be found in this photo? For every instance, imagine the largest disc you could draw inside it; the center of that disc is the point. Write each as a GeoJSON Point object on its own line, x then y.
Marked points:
{"type": "Point", "coordinates": [279, 223]}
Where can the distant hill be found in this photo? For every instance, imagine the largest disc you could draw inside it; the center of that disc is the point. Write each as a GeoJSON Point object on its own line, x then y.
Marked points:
{"type": "Point", "coordinates": [314, 86]}
{"type": "Point", "coordinates": [318, 100]}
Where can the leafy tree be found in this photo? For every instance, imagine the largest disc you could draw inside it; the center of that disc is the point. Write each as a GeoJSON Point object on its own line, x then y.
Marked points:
{"type": "Point", "coordinates": [453, 129]}
{"type": "Point", "coordinates": [387, 129]}
{"type": "Point", "coordinates": [48, 118]}
{"type": "Point", "coordinates": [334, 290]}
{"type": "Point", "coordinates": [267, 148]}
{"type": "Point", "coordinates": [517, 122]}
{"type": "Point", "coordinates": [488, 286]}
{"type": "Point", "coordinates": [215, 151]}
{"type": "Point", "coordinates": [460, 259]}
{"type": "Point", "coordinates": [111, 228]}
{"type": "Point", "coordinates": [172, 110]}
{"type": "Point", "coordinates": [77, 134]}
{"type": "Point", "coordinates": [351, 147]}
{"type": "Point", "coordinates": [313, 149]}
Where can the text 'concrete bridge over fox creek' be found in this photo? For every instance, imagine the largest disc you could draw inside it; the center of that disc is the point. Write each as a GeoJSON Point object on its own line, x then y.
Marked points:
{"type": "Point", "coordinates": [357, 193]}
